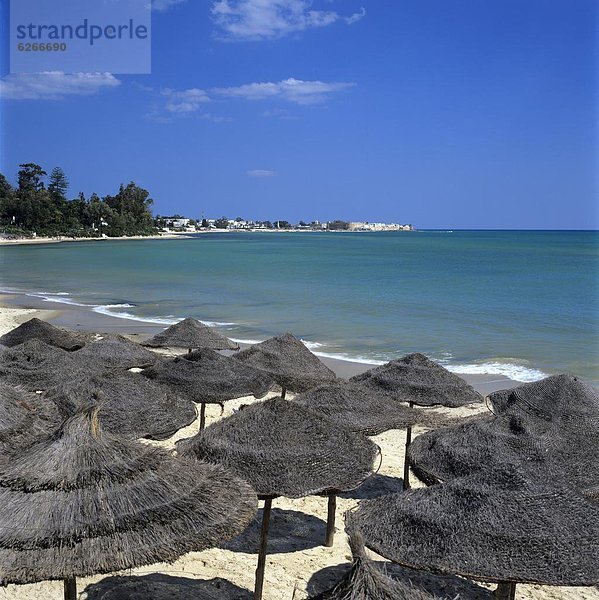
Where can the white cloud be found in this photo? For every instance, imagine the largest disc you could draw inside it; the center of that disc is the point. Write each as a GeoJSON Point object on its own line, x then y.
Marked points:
{"type": "Point", "coordinates": [291, 90]}
{"type": "Point", "coordinates": [54, 85]}
{"type": "Point", "coordinates": [267, 19]}
{"type": "Point", "coordinates": [356, 17]}
{"type": "Point", "coordinates": [185, 101]}
{"type": "Point", "coordinates": [261, 173]}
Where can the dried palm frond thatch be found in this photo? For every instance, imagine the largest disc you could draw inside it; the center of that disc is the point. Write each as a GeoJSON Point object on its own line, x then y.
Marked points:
{"type": "Point", "coordinates": [24, 416]}
{"type": "Point", "coordinates": [419, 380]}
{"type": "Point", "coordinates": [36, 365]}
{"type": "Point", "coordinates": [165, 587]}
{"type": "Point", "coordinates": [191, 333]}
{"type": "Point", "coordinates": [517, 532]}
{"type": "Point", "coordinates": [365, 581]}
{"type": "Point", "coordinates": [209, 377]}
{"type": "Point", "coordinates": [83, 501]}
{"type": "Point", "coordinates": [364, 410]}
{"type": "Point", "coordinates": [116, 352]}
{"type": "Point", "coordinates": [288, 360]}
{"type": "Point", "coordinates": [283, 449]}
{"type": "Point", "coordinates": [548, 429]}
{"type": "Point", "coordinates": [35, 329]}
{"type": "Point", "coordinates": [131, 404]}
{"type": "Point", "coordinates": [370, 580]}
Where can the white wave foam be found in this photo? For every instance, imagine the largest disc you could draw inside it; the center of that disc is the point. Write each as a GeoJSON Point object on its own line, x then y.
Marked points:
{"type": "Point", "coordinates": [108, 310]}
{"type": "Point", "coordinates": [513, 371]}
{"type": "Point", "coordinates": [311, 345]}
{"type": "Point", "coordinates": [60, 300]}
{"type": "Point", "coordinates": [354, 359]}
{"type": "Point", "coordinates": [243, 341]}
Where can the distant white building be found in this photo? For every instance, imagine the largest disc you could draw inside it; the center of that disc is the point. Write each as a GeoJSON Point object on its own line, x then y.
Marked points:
{"type": "Point", "coordinates": [177, 223]}
{"type": "Point", "coordinates": [366, 226]}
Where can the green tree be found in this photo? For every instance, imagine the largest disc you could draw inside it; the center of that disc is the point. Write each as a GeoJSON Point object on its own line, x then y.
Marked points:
{"type": "Point", "coordinates": [58, 184]}
{"type": "Point", "coordinates": [30, 177]}
{"type": "Point", "coordinates": [222, 223]}
{"type": "Point", "coordinates": [132, 214]}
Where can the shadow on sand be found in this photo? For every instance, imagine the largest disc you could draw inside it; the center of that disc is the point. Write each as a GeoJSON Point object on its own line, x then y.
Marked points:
{"type": "Point", "coordinates": [290, 531]}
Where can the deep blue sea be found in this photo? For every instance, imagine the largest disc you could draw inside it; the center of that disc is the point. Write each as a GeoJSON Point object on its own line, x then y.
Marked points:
{"type": "Point", "coordinates": [519, 303]}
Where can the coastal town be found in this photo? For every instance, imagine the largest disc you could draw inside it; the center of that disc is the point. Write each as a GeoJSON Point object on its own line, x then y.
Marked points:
{"type": "Point", "coordinates": [179, 223]}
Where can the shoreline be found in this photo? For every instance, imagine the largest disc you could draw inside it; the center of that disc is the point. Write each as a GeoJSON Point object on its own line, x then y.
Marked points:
{"type": "Point", "coordinates": [62, 239]}
{"type": "Point", "coordinates": [15, 309]}
{"type": "Point", "coordinates": [174, 235]}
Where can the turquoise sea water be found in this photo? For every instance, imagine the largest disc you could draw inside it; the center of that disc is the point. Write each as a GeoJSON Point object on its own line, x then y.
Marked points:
{"type": "Point", "coordinates": [521, 303]}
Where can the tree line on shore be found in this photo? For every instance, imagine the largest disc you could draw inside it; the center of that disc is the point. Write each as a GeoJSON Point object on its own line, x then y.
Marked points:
{"type": "Point", "coordinates": [39, 204]}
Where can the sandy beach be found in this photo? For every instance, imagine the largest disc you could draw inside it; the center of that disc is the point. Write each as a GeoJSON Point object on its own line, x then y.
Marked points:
{"type": "Point", "coordinates": [63, 239]}
{"type": "Point", "coordinates": [298, 561]}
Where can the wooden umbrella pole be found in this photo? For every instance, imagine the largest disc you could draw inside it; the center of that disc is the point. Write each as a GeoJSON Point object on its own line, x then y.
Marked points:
{"type": "Point", "coordinates": [202, 416]}
{"type": "Point", "coordinates": [331, 509]}
{"type": "Point", "coordinates": [259, 585]}
{"type": "Point", "coordinates": [406, 464]}
{"type": "Point", "coordinates": [70, 589]}
{"type": "Point", "coordinates": [505, 591]}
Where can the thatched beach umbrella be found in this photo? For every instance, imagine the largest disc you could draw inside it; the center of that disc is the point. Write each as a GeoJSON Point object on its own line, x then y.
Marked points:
{"type": "Point", "coordinates": [158, 586]}
{"type": "Point", "coordinates": [36, 365]}
{"type": "Point", "coordinates": [288, 360]}
{"type": "Point", "coordinates": [207, 377]}
{"type": "Point", "coordinates": [34, 329]}
{"type": "Point", "coordinates": [131, 404]}
{"type": "Point", "coordinates": [191, 334]}
{"type": "Point", "coordinates": [418, 380]}
{"type": "Point", "coordinates": [548, 429]}
{"type": "Point", "coordinates": [24, 416]}
{"type": "Point", "coordinates": [283, 449]}
{"type": "Point", "coordinates": [363, 410]}
{"type": "Point", "coordinates": [116, 352]}
{"type": "Point", "coordinates": [516, 532]}
{"type": "Point", "coordinates": [83, 501]}
{"type": "Point", "coordinates": [370, 580]}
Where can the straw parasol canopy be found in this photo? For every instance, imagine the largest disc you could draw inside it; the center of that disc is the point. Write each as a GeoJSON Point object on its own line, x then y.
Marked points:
{"type": "Point", "coordinates": [519, 531]}
{"type": "Point", "coordinates": [288, 360]}
{"type": "Point", "coordinates": [165, 587]}
{"type": "Point", "coordinates": [158, 586]}
{"type": "Point", "coordinates": [83, 501]}
{"type": "Point", "coordinates": [36, 365]}
{"type": "Point", "coordinates": [283, 449]}
{"type": "Point", "coordinates": [116, 352]}
{"type": "Point", "coordinates": [362, 409]}
{"type": "Point", "coordinates": [131, 404]}
{"type": "Point", "coordinates": [23, 417]}
{"type": "Point", "coordinates": [546, 429]}
{"type": "Point", "coordinates": [365, 581]}
{"type": "Point", "coordinates": [34, 329]}
{"type": "Point", "coordinates": [208, 377]}
{"type": "Point", "coordinates": [191, 333]}
{"type": "Point", "coordinates": [370, 580]}
{"type": "Point", "coordinates": [419, 380]}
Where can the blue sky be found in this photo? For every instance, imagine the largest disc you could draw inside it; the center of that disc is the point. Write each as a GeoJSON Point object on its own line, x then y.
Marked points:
{"type": "Point", "coordinates": [440, 113]}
